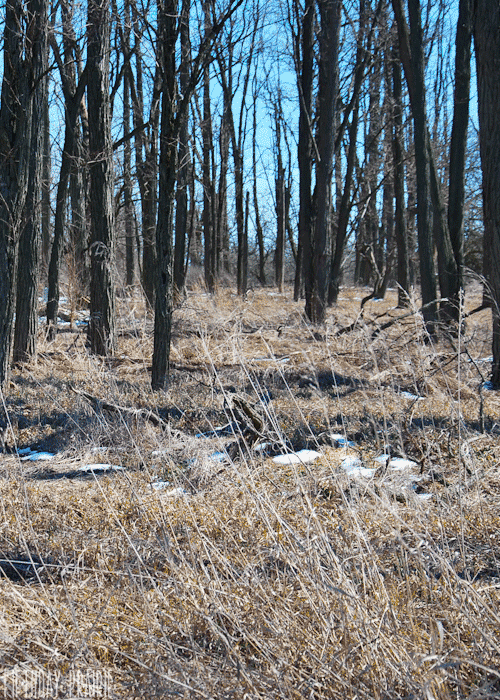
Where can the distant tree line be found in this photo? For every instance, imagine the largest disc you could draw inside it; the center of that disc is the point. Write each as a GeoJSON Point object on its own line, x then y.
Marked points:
{"type": "Point", "coordinates": [250, 139]}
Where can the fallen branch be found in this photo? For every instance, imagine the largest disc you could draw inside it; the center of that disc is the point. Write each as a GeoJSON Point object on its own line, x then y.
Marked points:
{"type": "Point", "coordinates": [145, 414]}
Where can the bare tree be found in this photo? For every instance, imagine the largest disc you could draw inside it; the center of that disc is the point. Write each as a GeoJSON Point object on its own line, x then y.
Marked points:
{"type": "Point", "coordinates": [487, 45]}
{"type": "Point", "coordinates": [279, 256]}
{"type": "Point", "coordinates": [172, 112]}
{"type": "Point", "coordinates": [304, 61]}
{"type": "Point", "coordinates": [316, 273]}
{"type": "Point", "coordinates": [236, 125]}
{"type": "Point", "coordinates": [73, 87]}
{"type": "Point", "coordinates": [101, 330]}
{"type": "Point", "coordinates": [181, 210]}
{"type": "Point", "coordinates": [400, 229]}
{"type": "Point", "coordinates": [458, 144]}
{"type": "Point", "coordinates": [26, 324]}
{"type": "Point", "coordinates": [15, 142]}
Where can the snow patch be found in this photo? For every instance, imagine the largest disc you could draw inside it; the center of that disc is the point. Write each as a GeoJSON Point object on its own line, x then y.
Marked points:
{"type": "Point", "coordinates": [354, 467]}
{"type": "Point", "coordinates": [37, 457]}
{"type": "Point", "coordinates": [300, 457]}
{"type": "Point", "coordinates": [91, 468]}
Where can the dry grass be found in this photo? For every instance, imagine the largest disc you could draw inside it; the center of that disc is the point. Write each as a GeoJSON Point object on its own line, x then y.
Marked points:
{"type": "Point", "coordinates": [244, 578]}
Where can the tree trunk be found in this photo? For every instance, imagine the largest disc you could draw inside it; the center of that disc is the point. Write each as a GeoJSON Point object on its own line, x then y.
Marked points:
{"type": "Point", "coordinates": [71, 161]}
{"type": "Point", "coordinates": [344, 204]}
{"type": "Point", "coordinates": [458, 145]}
{"type": "Point", "coordinates": [304, 148]}
{"type": "Point", "coordinates": [259, 233]}
{"type": "Point", "coordinates": [344, 208]}
{"type": "Point", "coordinates": [221, 228]}
{"type": "Point", "coordinates": [26, 325]}
{"type": "Point", "coordinates": [127, 166]}
{"type": "Point", "coordinates": [208, 188]}
{"type": "Point", "coordinates": [242, 262]}
{"type": "Point", "coordinates": [447, 268]}
{"type": "Point", "coordinates": [316, 278]}
{"type": "Point", "coordinates": [146, 158]}
{"type": "Point", "coordinates": [424, 221]}
{"type": "Point", "coordinates": [373, 151]}
{"type": "Point", "coordinates": [15, 124]}
{"type": "Point", "coordinates": [46, 183]}
{"type": "Point", "coordinates": [101, 330]}
{"type": "Point", "coordinates": [400, 232]}
{"type": "Point", "coordinates": [181, 213]}
{"type": "Point", "coordinates": [279, 256]}
{"type": "Point", "coordinates": [487, 45]}
{"type": "Point", "coordinates": [164, 228]}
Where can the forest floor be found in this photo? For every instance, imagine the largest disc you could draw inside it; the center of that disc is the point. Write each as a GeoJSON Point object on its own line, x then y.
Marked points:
{"type": "Point", "coordinates": [305, 513]}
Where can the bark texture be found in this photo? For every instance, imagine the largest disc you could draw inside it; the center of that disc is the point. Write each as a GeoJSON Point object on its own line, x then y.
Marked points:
{"type": "Point", "coordinates": [101, 330]}
{"type": "Point", "coordinates": [487, 44]}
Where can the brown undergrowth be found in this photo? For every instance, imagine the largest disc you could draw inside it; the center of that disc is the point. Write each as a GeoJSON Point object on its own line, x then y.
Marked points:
{"type": "Point", "coordinates": [203, 568]}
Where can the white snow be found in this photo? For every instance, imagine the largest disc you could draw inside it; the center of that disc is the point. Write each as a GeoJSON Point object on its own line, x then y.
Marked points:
{"type": "Point", "coordinates": [382, 459]}
{"type": "Point", "coordinates": [37, 457]}
{"type": "Point", "coordinates": [399, 464]}
{"type": "Point", "coordinates": [412, 397]}
{"type": "Point", "coordinates": [179, 491]}
{"type": "Point", "coordinates": [354, 467]}
{"type": "Point", "coordinates": [300, 457]}
{"type": "Point", "coordinates": [283, 360]}
{"type": "Point", "coordinates": [158, 485]}
{"type": "Point", "coordinates": [87, 468]}
{"type": "Point", "coordinates": [217, 457]}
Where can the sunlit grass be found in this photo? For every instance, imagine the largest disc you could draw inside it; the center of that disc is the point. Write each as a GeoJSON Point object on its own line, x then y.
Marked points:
{"type": "Point", "coordinates": [243, 577]}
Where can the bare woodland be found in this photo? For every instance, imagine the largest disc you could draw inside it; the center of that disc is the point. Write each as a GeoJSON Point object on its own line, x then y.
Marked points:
{"type": "Point", "coordinates": [250, 253]}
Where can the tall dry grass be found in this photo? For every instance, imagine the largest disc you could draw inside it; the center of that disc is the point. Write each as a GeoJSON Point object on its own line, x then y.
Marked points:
{"type": "Point", "coordinates": [243, 578]}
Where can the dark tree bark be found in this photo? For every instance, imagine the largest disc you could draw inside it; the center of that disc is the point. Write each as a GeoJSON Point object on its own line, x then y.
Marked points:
{"type": "Point", "coordinates": [181, 209]}
{"type": "Point", "coordinates": [26, 325]}
{"type": "Point", "coordinates": [424, 221]}
{"type": "Point", "coordinates": [127, 165]}
{"type": "Point", "coordinates": [305, 62]}
{"type": "Point", "coordinates": [344, 205]}
{"type": "Point", "coordinates": [386, 238]}
{"type": "Point", "coordinates": [101, 330]}
{"type": "Point", "coordinates": [458, 147]}
{"type": "Point", "coordinates": [15, 141]}
{"type": "Point", "coordinates": [209, 226]}
{"type": "Point", "coordinates": [316, 277]}
{"type": "Point", "coordinates": [259, 233]}
{"type": "Point", "coordinates": [447, 268]}
{"type": "Point", "coordinates": [279, 256]}
{"type": "Point", "coordinates": [372, 167]}
{"type": "Point", "coordinates": [73, 94]}
{"type": "Point", "coordinates": [127, 192]}
{"type": "Point", "coordinates": [164, 229]}
{"type": "Point", "coordinates": [487, 45]}
{"type": "Point", "coordinates": [46, 183]}
{"type": "Point", "coordinates": [221, 235]}
{"type": "Point", "coordinates": [171, 117]}
{"type": "Point", "coordinates": [400, 231]}
{"type": "Point", "coordinates": [237, 138]}
{"type": "Point", "coordinates": [146, 155]}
